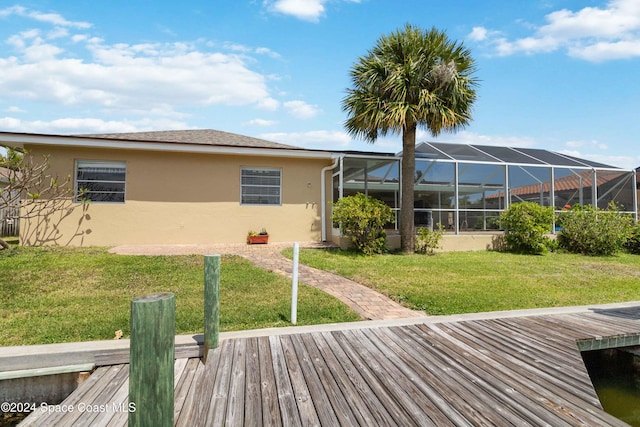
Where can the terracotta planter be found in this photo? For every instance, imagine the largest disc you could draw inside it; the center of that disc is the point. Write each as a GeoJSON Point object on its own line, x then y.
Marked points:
{"type": "Point", "coordinates": [260, 239]}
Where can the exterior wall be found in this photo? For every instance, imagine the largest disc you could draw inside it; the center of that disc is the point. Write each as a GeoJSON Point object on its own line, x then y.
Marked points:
{"type": "Point", "coordinates": [183, 198]}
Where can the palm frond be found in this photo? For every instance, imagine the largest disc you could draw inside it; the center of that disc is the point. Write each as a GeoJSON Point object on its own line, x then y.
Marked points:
{"type": "Point", "coordinates": [411, 77]}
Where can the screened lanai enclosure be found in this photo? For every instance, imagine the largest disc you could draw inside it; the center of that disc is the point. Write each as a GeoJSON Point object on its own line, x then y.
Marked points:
{"type": "Point", "coordinates": [466, 187]}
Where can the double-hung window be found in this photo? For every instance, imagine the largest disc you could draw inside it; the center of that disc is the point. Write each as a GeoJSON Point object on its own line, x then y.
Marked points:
{"type": "Point", "coordinates": [260, 186]}
{"type": "Point", "coordinates": [100, 181]}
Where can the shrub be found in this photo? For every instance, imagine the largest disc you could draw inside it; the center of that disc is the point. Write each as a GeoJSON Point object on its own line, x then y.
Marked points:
{"type": "Point", "coordinates": [592, 231]}
{"type": "Point", "coordinates": [632, 245]}
{"type": "Point", "coordinates": [526, 226]}
{"type": "Point", "coordinates": [429, 240]}
{"type": "Point", "coordinates": [362, 218]}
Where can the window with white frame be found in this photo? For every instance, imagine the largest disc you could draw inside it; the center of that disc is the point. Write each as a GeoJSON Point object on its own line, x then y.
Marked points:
{"type": "Point", "coordinates": [100, 181]}
{"type": "Point", "coordinates": [260, 186]}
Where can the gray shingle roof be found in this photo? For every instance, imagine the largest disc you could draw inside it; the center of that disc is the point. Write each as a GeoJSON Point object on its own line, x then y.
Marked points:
{"type": "Point", "coordinates": [195, 136]}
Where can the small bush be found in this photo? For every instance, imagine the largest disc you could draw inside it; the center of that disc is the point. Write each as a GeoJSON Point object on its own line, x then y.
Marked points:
{"type": "Point", "coordinates": [429, 240]}
{"type": "Point", "coordinates": [589, 230]}
{"type": "Point", "coordinates": [526, 226]}
{"type": "Point", "coordinates": [632, 245]}
{"type": "Point", "coordinates": [362, 218]}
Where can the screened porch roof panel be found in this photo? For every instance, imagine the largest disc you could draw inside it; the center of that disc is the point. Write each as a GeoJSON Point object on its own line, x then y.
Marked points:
{"type": "Point", "coordinates": [493, 154]}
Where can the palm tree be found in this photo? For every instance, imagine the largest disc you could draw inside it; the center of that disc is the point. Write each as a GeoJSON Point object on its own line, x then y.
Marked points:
{"type": "Point", "coordinates": [410, 78]}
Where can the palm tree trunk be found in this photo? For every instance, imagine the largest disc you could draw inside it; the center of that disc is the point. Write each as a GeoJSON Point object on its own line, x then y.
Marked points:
{"type": "Point", "coordinates": [407, 230]}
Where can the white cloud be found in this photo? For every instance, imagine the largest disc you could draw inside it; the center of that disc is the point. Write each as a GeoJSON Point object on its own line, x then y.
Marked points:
{"type": "Point", "coordinates": [268, 104]}
{"type": "Point", "coordinates": [66, 65]}
{"type": "Point", "coordinates": [307, 10]}
{"type": "Point", "coordinates": [87, 125]}
{"type": "Point", "coordinates": [268, 52]}
{"type": "Point", "coordinates": [574, 144]}
{"type": "Point", "coordinates": [606, 51]}
{"type": "Point", "coordinates": [130, 76]}
{"type": "Point", "coordinates": [593, 144]}
{"type": "Point", "coordinates": [51, 18]}
{"type": "Point", "coordinates": [14, 109]}
{"type": "Point", "coordinates": [319, 139]}
{"type": "Point", "coordinates": [466, 137]}
{"type": "Point", "coordinates": [622, 162]}
{"type": "Point", "coordinates": [478, 34]}
{"type": "Point", "coordinates": [527, 45]}
{"type": "Point", "coordinates": [591, 33]}
{"type": "Point", "coordinates": [301, 110]}
{"type": "Point", "coordinates": [260, 122]}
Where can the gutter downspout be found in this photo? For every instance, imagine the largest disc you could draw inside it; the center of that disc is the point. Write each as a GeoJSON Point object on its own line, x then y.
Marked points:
{"type": "Point", "coordinates": [323, 196]}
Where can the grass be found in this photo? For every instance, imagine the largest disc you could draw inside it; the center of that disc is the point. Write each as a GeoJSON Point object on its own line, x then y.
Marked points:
{"type": "Point", "coordinates": [63, 295]}
{"type": "Point", "coordinates": [465, 282]}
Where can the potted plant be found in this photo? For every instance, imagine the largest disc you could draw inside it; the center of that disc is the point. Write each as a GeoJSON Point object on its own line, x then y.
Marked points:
{"type": "Point", "coordinates": [253, 237]}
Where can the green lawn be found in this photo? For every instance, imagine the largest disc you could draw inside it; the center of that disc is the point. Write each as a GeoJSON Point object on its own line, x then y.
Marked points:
{"type": "Point", "coordinates": [464, 282]}
{"type": "Point", "coordinates": [63, 295]}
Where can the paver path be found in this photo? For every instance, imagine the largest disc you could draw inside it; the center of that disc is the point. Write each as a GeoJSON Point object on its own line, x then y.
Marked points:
{"type": "Point", "coordinates": [365, 301]}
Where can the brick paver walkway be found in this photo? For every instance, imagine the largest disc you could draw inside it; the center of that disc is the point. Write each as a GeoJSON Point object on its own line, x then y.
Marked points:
{"type": "Point", "coordinates": [365, 301]}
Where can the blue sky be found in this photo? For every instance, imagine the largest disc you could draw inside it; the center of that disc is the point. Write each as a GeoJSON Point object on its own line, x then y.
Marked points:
{"type": "Point", "coordinates": [554, 74]}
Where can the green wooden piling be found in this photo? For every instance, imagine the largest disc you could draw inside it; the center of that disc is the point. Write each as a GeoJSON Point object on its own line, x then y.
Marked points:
{"type": "Point", "coordinates": [211, 303]}
{"type": "Point", "coordinates": [152, 355]}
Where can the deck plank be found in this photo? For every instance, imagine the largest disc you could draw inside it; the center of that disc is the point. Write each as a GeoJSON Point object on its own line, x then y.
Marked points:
{"type": "Point", "coordinates": [306, 407]}
{"type": "Point", "coordinates": [391, 385]}
{"type": "Point", "coordinates": [525, 355]}
{"type": "Point", "coordinates": [121, 415]}
{"type": "Point", "coordinates": [221, 374]}
{"type": "Point", "coordinates": [252, 398]}
{"type": "Point", "coordinates": [187, 413]}
{"type": "Point", "coordinates": [523, 371]}
{"type": "Point", "coordinates": [326, 369]}
{"type": "Point", "coordinates": [431, 405]}
{"type": "Point", "coordinates": [270, 401]}
{"type": "Point", "coordinates": [285, 393]}
{"type": "Point", "coordinates": [104, 406]}
{"type": "Point", "coordinates": [497, 379]}
{"type": "Point", "coordinates": [318, 390]}
{"type": "Point", "coordinates": [90, 394]}
{"type": "Point", "coordinates": [398, 412]}
{"type": "Point", "coordinates": [237, 384]}
{"type": "Point", "coordinates": [35, 418]}
{"type": "Point", "coordinates": [183, 385]}
{"type": "Point", "coordinates": [198, 406]}
{"type": "Point", "coordinates": [349, 378]}
{"type": "Point", "coordinates": [535, 383]}
{"type": "Point", "coordinates": [459, 392]}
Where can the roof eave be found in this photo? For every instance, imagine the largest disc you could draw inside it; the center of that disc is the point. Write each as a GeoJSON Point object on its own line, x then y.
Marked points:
{"type": "Point", "coordinates": [19, 140]}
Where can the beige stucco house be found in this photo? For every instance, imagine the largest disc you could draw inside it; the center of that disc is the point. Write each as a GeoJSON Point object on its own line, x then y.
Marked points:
{"type": "Point", "coordinates": [180, 187]}
{"type": "Point", "coordinates": [207, 186]}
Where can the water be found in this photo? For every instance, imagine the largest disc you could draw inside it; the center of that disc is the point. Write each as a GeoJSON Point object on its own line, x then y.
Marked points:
{"type": "Point", "coordinates": [11, 419]}
{"type": "Point", "coordinates": [620, 401]}
{"type": "Point", "coordinates": [615, 375]}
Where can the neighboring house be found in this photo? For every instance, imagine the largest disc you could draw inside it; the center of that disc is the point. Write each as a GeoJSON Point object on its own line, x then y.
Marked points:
{"type": "Point", "coordinates": [4, 177]}
{"type": "Point", "coordinates": [578, 188]}
{"type": "Point", "coordinates": [207, 186]}
{"type": "Point", "coordinates": [9, 207]}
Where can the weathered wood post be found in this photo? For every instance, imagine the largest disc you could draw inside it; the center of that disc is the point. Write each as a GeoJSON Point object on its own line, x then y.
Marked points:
{"type": "Point", "coordinates": [152, 358]}
{"type": "Point", "coordinates": [211, 303]}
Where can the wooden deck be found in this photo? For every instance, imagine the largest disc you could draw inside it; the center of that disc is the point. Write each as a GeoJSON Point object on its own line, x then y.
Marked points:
{"type": "Point", "coordinates": [494, 372]}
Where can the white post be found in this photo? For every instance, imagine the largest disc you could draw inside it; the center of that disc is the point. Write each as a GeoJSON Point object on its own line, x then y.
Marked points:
{"type": "Point", "coordinates": [294, 284]}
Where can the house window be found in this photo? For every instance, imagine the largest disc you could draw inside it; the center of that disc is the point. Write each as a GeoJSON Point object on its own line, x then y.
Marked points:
{"type": "Point", "coordinates": [260, 186]}
{"type": "Point", "coordinates": [99, 181]}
